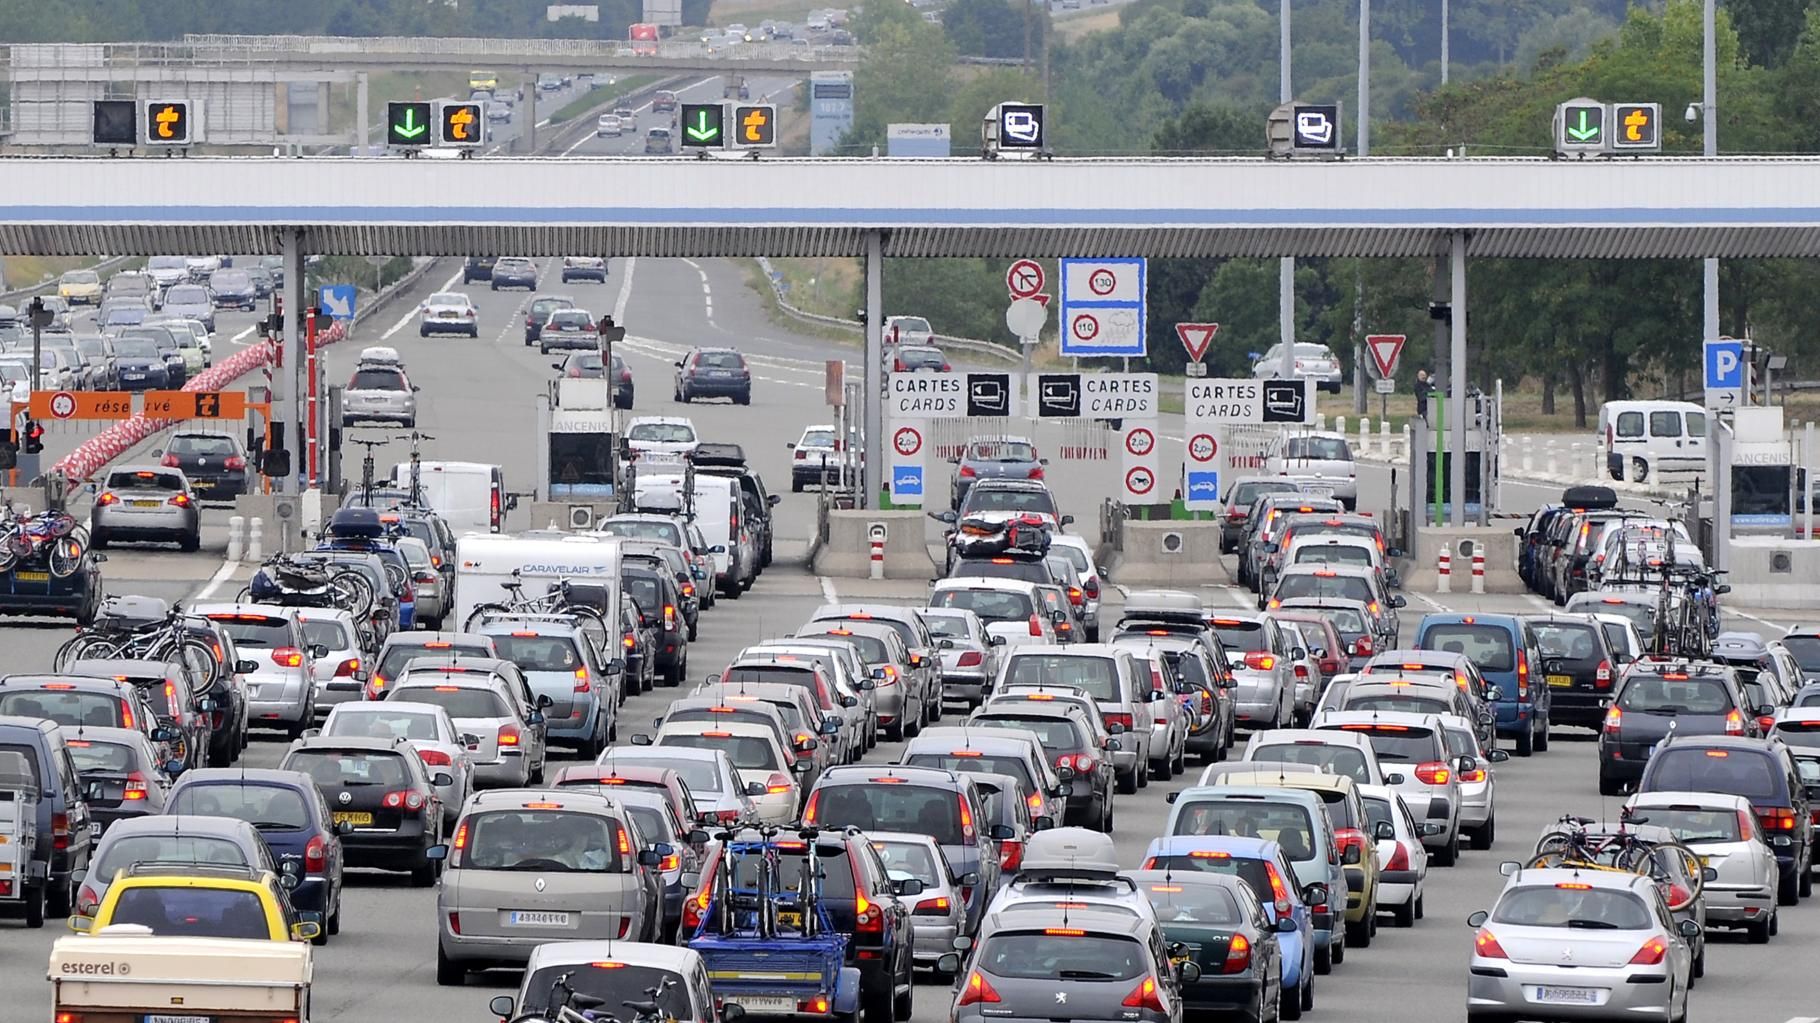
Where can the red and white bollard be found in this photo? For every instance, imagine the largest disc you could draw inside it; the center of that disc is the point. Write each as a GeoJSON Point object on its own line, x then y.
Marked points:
{"type": "Point", "coordinates": [1478, 569]}
{"type": "Point", "coordinates": [1444, 571]}
{"type": "Point", "coordinates": [875, 533]}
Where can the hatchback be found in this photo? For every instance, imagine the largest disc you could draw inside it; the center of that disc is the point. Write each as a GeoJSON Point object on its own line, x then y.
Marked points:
{"type": "Point", "coordinates": [563, 666]}
{"type": "Point", "coordinates": [383, 790]}
{"type": "Point", "coordinates": [146, 503]}
{"type": "Point", "coordinates": [713, 373]}
{"type": "Point", "coordinates": [401, 648]}
{"type": "Point", "coordinates": [120, 775]}
{"type": "Point", "coordinates": [1424, 774]}
{"type": "Point", "coordinates": [493, 705]}
{"type": "Point", "coordinates": [1117, 683]}
{"type": "Point", "coordinates": [281, 692]}
{"type": "Point", "coordinates": [1723, 830]}
{"type": "Point", "coordinates": [1257, 652]}
{"type": "Point", "coordinates": [173, 696]}
{"type": "Point", "coordinates": [214, 463]}
{"type": "Point", "coordinates": [441, 747]}
{"type": "Point", "coordinates": [170, 838]}
{"type": "Point", "coordinates": [713, 783]}
{"type": "Point", "coordinates": [339, 674]}
{"type": "Point", "coordinates": [1221, 926]}
{"type": "Point", "coordinates": [994, 458]}
{"type": "Point", "coordinates": [1762, 771]}
{"type": "Point", "coordinates": [513, 272]}
{"type": "Point", "coordinates": [1658, 699]}
{"type": "Point", "coordinates": [1077, 748]}
{"type": "Point", "coordinates": [585, 268]}
{"type": "Point", "coordinates": [379, 394]}
{"type": "Point", "coordinates": [1578, 665]}
{"type": "Point", "coordinates": [613, 973]}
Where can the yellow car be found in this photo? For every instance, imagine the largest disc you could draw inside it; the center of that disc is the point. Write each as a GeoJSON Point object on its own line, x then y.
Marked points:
{"type": "Point", "coordinates": [80, 286]}
{"type": "Point", "coordinates": [1359, 852]}
{"type": "Point", "coordinates": [200, 900]}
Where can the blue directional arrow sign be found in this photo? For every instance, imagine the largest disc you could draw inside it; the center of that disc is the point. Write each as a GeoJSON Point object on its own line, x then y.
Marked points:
{"type": "Point", "coordinates": [338, 300]}
{"type": "Point", "coordinates": [1724, 362]}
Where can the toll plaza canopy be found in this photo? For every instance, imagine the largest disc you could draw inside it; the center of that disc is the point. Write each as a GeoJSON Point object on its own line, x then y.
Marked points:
{"type": "Point", "coordinates": [1621, 208]}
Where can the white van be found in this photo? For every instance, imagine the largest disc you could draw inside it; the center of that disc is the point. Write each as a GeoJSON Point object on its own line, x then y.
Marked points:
{"type": "Point", "coordinates": [1646, 440]}
{"type": "Point", "coordinates": [470, 496]}
{"type": "Point", "coordinates": [484, 564]}
{"type": "Point", "coordinates": [720, 513]}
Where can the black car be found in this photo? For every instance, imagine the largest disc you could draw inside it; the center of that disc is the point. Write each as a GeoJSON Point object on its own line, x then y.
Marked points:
{"type": "Point", "coordinates": [1659, 699]}
{"type": "Point", "coordinates": [214, 462]}
{"type": "Point", "coordinates": [1763, 771]}
{"type": "Point", "coordinates": [592, 366]}
{"type": "Point", "coordinates": [119, 774]}
{"type": "Point", "coordinates": [263, 281]}
{"type": "Point", "coordinates": [660, 607]}
{"type": "Point", "coordinates": [713, 373]}
{"type": "Point", "coordinates": [383, 790]}
{"type": "Point", "coordinates": [1578, 666]}
{"type": "Point", "coordinates": [1081, 756]}
{"type": "Point", "coordinates": [478, 268]}
{"type": "Point", "coordinates": [513, 272]}
{"type": "Point", "coordinates": [1223, 928]}
{"type": "Point", "coordinates": [640, 639]}
{"type": "Point", "coordinates": [139, 366]}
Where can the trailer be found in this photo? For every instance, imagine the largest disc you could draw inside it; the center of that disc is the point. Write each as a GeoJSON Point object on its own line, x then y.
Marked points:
{"type": "Point", "coordinates": [126, 974]}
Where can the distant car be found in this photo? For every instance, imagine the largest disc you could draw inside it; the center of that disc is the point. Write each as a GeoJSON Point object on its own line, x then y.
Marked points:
{"type": "Point", "coordinates": [814, 454]}
{"type": "Point", "coordinates": [657, 140]}
{"type": "Point", "coordinates": [627, 116]}
{"type": "Point", "coordinates": [514, 272]}
{"type": "Point", "coordinates": [920, 358]}
{"type": "Point", "coordinates": [263, 281]}
{"type": "Point", "coordinates": [609, 126]}
{"type": "Point", "coordinates": [713, 373]}
{"type": "Point", "coordinates": [499, 111]}
{"type": "Point", "coordinates": [664, 102]}
{"type": "Point", "coordinates": [540, 310]}
{"type": "Point", "coordinates": [570, 330]}
{"type": "Point", "coordinates": [1312, 362]}
{"type": "Point", "coordinates": [592, 366]}
{"type": "Point", "coordinates": [1315, 462]}
{"type": "Point", "coordinates": [146, 502]}
{"type": "Point", "coordinates": [191, 300]}
{"type": "Point", "coordinates": [200, 267]}
{"type": "Point", "coordinates": [80, 286]}
{"type": "Point", "coordinates": [477, 268]}
{"type": "Point", "coordinates": [585, 268]}
{"type": "Point", "coordinates": [233, 289]}
{"type": "Point", "coordinates": [379, 393]}
{"type": "Point", "coordinates": [908, 330]}
{"type": "Point", "coordinates": [995, 458]}
{"type": "Point", "coordinates": [214, 462]}
{"type": "Point", "coordinates": [448, 312]}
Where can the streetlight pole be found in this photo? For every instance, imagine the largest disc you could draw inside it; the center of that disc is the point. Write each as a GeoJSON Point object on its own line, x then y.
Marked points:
{"type": "Point", "coordinates": [1286, 265]}
{"type": "Point", "coordinates": [1709, 134]}
{"type": "Point", "coordinates": [1444, 41]}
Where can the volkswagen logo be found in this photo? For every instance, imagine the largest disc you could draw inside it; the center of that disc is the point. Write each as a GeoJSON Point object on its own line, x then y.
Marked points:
{"type": "Point", "coordinates": [346, 798]}
{"type": "Point", "coordinates": [539, 884]}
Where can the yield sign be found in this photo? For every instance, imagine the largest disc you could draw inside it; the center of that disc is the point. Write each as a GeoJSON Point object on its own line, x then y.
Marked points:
{"type": "Point", "coordinates": [1385, 350]}
{"type": "Point", "coordinates": [1196, 337]}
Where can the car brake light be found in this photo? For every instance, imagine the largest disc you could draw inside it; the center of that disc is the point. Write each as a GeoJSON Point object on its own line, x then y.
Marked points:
{"type": "Point", "coordinates": [669, 617]}
{"type": "Point", "coordinates": [135, 787]}
{"type": "Point", "coordinates": [1485, 944]}
{"type": "Point", "coordinates": [435, 758]}
{"type": "Point", "coordinates": [316, 856]}
{"type": "Point", "coordinates": [582, 685]}
{"type": "Point", "coordinates": [1602, 677]}
{"type": "Point", "coordinates": [1145, 996]}
{"type": "Point", "coordinates": [967, 834]}
{"type": "Point", "coordinates": [1651, 953]}
{"type": "Point", "coordinates": [1010, 854]}
{"type": "Point", "coordinates": [169, 461]}
{"type": "Point", "coordinates": [508, 735]}
{"type": "Point", "coordinates": [1399, 858]}
{"type": "Point", "coordinates": [1259, 660]}
{"type": "Point", "coordinates": [977, 990]}
{"type": "Point", "coordinates": [287, 657]}
{"type": "Point", "coordinates": [403, 800]}
{"type": "Point", "coordinates": [1361, 647]}
{"type": "Point", "coordinates": [868, 917]}
{"type": "Point", "coordinates": [493, 505]}
{"type": "Point", "coordinates": [1614, 720]}
{"type": "Point", "coordinates": [968, 472]}
{"type": "Point", "coordinates": [1522, 674]}
{"type": "Point", "coordinates": [1734, 722]}
{"type": "Point", "coordinates": [347, 667]}
{"type": "Point", "coordinates": [1238, 955]}
{"type": "Point", "coordinates": [60, 831]}
{"type": "Point", "coordinates": [1279, 890]}
{"type": "Point", "coordinates": [778, 784]}
{"type": "Point", "coordinates": [107, 497]}
{"type": "Point", "coordinates": [180, 500]}
{"type": "Point", "coordinates": [1777, 818]}
{"type": "Point", "coordinates": [1473, 776]}
{"type": "Point", "coordinates": [937, 906]}
{"type": "Point", "coordinates": [1434, 772]}
{"type": "Point", "coordinates": [87, 901]}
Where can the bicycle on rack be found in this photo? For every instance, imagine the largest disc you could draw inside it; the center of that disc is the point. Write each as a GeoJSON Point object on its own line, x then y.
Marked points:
{"type": "Point", "coordinates": [303, 582]}
{"type": "Point", "coordinates": [163, 640]}
{"type": "Point", "coordinates": [567, 1005]}
{"type": "Point", "coordinates": [54, 534]}
{"type": "Point", "coordinates": [1668, 861]}
{"type": "Point", "coordinates": [557, 600]}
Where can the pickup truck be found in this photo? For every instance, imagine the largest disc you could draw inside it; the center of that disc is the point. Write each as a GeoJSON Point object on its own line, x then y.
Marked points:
{"type": "Point", "coordinates": [126, 974]}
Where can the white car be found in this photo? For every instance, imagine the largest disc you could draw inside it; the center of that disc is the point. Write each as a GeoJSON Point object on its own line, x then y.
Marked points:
{"type": "Point", "coordinates": [908, 330]}
{"type": "Point", "coordinates": [200, 267]}
{"type": "Point", "coordinates": [511, 751]}
{"type": "Point", "coordinates": [432, 733]}
{"type": "Point", "coordinates": [1402, 861]}
{"type": "Point", "coordinates": [1315, 461]}
{"type": "Point", "coordinates": [767, 770]}
{"type": "Point", "coordinates": [817, 452]}
{"type": "Point", "coordinates": [1079, 552]}
{"type": "Point", "coordinates": [1011, 608]}
{"type": "Point", "coordinates": [448, 312]}
{"type": "Point", "coordinates": [609, 126]}
{"type": "Point", "coordinates": [673, 436]}
{"type": "Point", "coordinates": [1311, 361]}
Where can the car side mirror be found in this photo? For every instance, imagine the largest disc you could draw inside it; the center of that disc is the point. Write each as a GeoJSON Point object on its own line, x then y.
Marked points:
{"type": "Point", "coordinates": [866, 685]}
{"type": "Point", "coordinates": [731, 1012]}
{"type": "Point", "coordinates": [1157, 696]}
{"type": "Point", "coordinates": [947, 963]}
{"type": "Point", "coordinates": [1722, 589]}
{"type": "Point", "coordinates": [790, 446]}
{"type": "Point", "coordinates": [1113, 744]}
{"type": "Point", "coordinates": [1554, 666]}
{"type": "Point", "coordinates": [1297, 654]}
{"type": "Point", "coordinates": [849, 701]}
{"type": "Point", "coordinates": [1768, 710]}
{"type": "Point", "coordinates": [1689, 929]}
{"type": "Point", "coordinates": [754, 788]}
{"type": "Point", "coordinates": [1396, 552]}
{"type": "Point", "coordinates": [1188, 972]}
{"type": "Point", "coordinates": [245, 666]}
{"type": "Point", "coordinates": [555, 365]}
{"type": "Point", "coordinates": [502, 1006]}
{"type": "Point", "coordinates": [1384, 831]}
{"type": "Point", "coordinates": [1065, 774]}
{"type": "Point", "coordinates": [469, 739]}
{"type": "Point", "coordinates": [1399, 602]}
{"type": "Point", "coordinates": [998, 641]}
{"type": "Point", "coordinates": [1497, 756]}
{"type": "Point", "coordinates": [649, 858]}
{"type": "Point", "coordinates": [1353, 857]}
{"type": "Point", "coordinates": [1394, 778]}
{"type": "Point", "coordinates": [1286, 925]}
{"type": "Point", "coordinates": [436, 852]}
{"type": "Point", "coordinates": [1001, 833]}
{"type": "Point", "coordinates": [947, 516]}
{"type": "Point", "coordinates": [946, 644]}
{"type": "Point", "coordinates": [164, 734]}
{"type": "Point", "coordinates": [641, 739]}
{"type": "Point", "coordinates": [1042, 822]}
{"type": "Point", "coordinates": [442, 779]}
{"type": "Point", "coordinates": [808, 745]}
{"type": "Point", "coordinates": [1315, 895]}
{"type": "Point", "coordinates": [307, 930]}
{"type": "Point", "coordinates": [1430, 829]}
{"type": "Point", "coordinates": [907, 886]}
{"type": "Point", "coordinates": [1494, 693]}
{"type": "Point", "coordinates": [1478, 919]}
{"type": "Point", "coordinates": [1468, 763]}
{"type": "Point", "coordinates": [544, 702]}
{"type": "Point", "coordinates": [318, 650]}
{"type": "Point", "coordinates": [1058, 617]}
{"type": "Point", "coordinates": [774, 499]}
{"type": "Point", "coordinates": [1115, 729]}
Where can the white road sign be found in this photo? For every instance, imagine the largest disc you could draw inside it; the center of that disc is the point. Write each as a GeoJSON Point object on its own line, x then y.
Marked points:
{"type": "Point", "coordinates": [1139, 476]}
{"type": "Point", "coordinates": [1093, 395]}
{"type": "Point", "coordinates": [925, 395]}
{"type": "Point", "coordinates": [1223, 401]}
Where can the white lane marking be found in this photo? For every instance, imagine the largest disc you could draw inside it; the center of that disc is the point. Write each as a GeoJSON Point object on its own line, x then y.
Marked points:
{"type": "Point", "coordinates": [626, 271]}
{"type": "Point", "coordinates": [241, 337]}
{"type": "Point", "coordinates": [1804, 1019]}
{"type": "Point", "coordinates": [829, 597]}
{"type": "Point", "coordinates": [221, 576]}
{"type": "Point", "coordinates": [1241, 599]}
{"type": "Point", "coordinates": [406, 319]}
{"type": "Point", "coordinates": [1760, 621]}
{"type": "Point", "coordinates": [1431, 602]}
{"type": "Point", "coordinates": [641, 108]}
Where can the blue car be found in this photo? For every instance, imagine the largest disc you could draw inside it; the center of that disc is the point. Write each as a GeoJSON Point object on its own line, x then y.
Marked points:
{"type": "Point", "coordinates": [289, 813]}
{"type": "Point", "coordinates": [1505, 649]}
{"type": "Point", "coordinates": [1262, 865]}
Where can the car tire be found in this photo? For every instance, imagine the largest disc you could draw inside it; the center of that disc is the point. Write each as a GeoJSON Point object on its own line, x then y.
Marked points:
{"type": "Point", "coordinates": [1806, 887]}
{"type": "Point", "coordinates": [191, 542]}
{"type": "Point", "coordinates": [97, 540]}
{"type": "Point", "coordinates": [1449, 854]}
{"type": "Point", "coordinates": [449, 973]}
{"type": "Point", "coordinates": [1128, 782]}
{"type": "Point", "coordinates": [34, 907]}
{"type": "Point", "coordinates": [1542, 736]}
{"type": "Point", "coordinates": [905, 1004]}
{"type": "Point", "coordinates": [1757, 932]}
{"type": "Point", "coordinates": [424, 874]}
{"type": "Point", "coordinates": [1359, 934]}
{"type": "Point", "coordinates": [1339, 952]}
{"type": "Point", "coordinates": [1526, 743]}
{"type": "Point", "coordinates": [1486, 835]}
{"type": "Point", "coordinates": [743, 399]}
{"type": "Point", "coordinates": [1289, 1003]}
{"type": "Point", "coordinates": [1610, 786]}
{"type": "Point", "coordinates": [878, 1005]}
{"type": "Point", "coordinates": [1323, 960]}
{"type": "Point", "coordinates": [895, 731]}
{"type": "Point", "coordinates": [1404, 915]}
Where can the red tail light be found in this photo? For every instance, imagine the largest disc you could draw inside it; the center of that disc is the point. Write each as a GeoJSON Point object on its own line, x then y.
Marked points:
{"type": "Point", "coordinates": [669, 617]}
{"type": "Point", "coordinates": [235, 462]}
{"type": "Point", "coordinates": [1010, 854]}
{"type": "Point", "coordinates": [1651, 953]}
{"type": "Point", "coordinates": [168, 460]}
{"type": "Point", "coordinates": [136, 789]}
{"type": "Point", "coordinates": [403, 799]}
{"type": "Point", "coordinates": [1765, 723]}
{"type": "Point", "coordinates": [1777, 818]}
{"type": "Point", "coordinates": [1036, 473]}
{"type": "Point", "coordinates": [1614, 720]}
{"type": "Point", "coordinates": [508, 735]}
{"type": "Point", "coordinates": [937, 906]}
{"type": "Point", "coordinates": [60, 831]}
{"type": "Point", "coordinates": [1301, 671]}
{"type": "Point", "coordinates": [970, 659]}
{"type": "Point", "coordinates": [1077, 596]}
{"type": "Point", "coordinates": [1145, 996]}
{"type": "Point", "coordinates": [287, 657]}
{"type": "Point", "coordinates": [435, 758]}
{"type": "Point", "coordinates": [1399, 858]}
{"type": "Point", "coordinates": [582, 685]}
{"type": "Point", "coordinates": [1330, 665]}
{"type": "Point", "coordinates": [87, 901]}
{"type": "Point", "coordinates": [869, 918]}
{"type": "Point", "coordinates": [1434, 772]}
{"type": "Point", "coordinates": [897, 365]}
{"type": "Point", "coordinates": [1473, 776]}
{"type": "Point", "coordinates": [1602, 677]}
{"type": "Point", "coordinates": [316, 856]}
{"type": "Point", "coordinates": [1279, 889]}
{"type": "Point", "coordinates": [1259, 660]}
{"type": "Point", "coordinates": [107, 498]}
{"type": "Point", "coordinates": [180, 500]}
{"type": "Point", "coordinates": [977, 990]}
{"type": "Point", "coordinates": [967, 834]}
{"type": "Point", "coordinates": [1486, 945]}
{"type": "Point", "coordinates": [968, 472]}
{"type": "Point", "coordinates": [778, 784]}
{"type": "Point", "coordinates": [1036, 626]}
{"type": "Point", "coordinates": [1093, 587]}
{"type": "Point", "coordinates": [493, 506]}
{"type": "Point", "coordinates": [1522, 675]}
{"type": "Point", "coordinates": [347, 667]}
{"type": "Point", "coordinates": [1361, 647]}
{"type": "Point", "coordinates": [1734, 722]}
{"type": "Point", "coordinates": [1238, 955]}
{"type": "Point", "coordinates": [1119, 719]}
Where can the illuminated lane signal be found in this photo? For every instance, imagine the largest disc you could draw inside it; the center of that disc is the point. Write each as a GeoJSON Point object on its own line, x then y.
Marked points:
{"type": "Point", "coordinates": [755, 126]}
{"type": "Point", "coordinates": [116, 123]}
{"type": "Point", "coordinates": [407, 123]}
{"type": "Point", "coordinates": [461, 125]}
{"type": "Point", "coordinates": [167, 123]}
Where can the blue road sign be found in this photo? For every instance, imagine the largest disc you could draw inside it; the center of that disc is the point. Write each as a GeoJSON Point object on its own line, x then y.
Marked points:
{"type": "Point", "coordinates": [1724, 362]}
{"type": "Point", "coordinates": [1201, 490]}
{"type": "Point", "coordinates": [907, 482]}
{"type": "Point", "coordinates": [1103, 307]}
{"type": "Point", "coordinates": [338, 300]}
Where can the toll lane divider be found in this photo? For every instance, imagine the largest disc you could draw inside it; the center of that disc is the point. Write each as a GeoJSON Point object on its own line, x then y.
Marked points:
{"type": "Point", "coordinates": [116, 440]}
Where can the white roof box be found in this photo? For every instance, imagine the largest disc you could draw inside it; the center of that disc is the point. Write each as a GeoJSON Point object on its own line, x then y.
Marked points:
{"type": "Point", "coordinates": [381, 355]}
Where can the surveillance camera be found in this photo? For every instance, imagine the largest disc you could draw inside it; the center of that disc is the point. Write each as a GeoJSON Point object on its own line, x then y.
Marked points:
{"type": "Point", "coordinates": [1693, 112]}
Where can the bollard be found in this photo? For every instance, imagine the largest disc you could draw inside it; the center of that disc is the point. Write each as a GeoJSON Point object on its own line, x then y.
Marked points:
{"type": "Point", "coordinates": [255, 540]}
{"type": "Point", "coordinates": [1384, 438]}
{"type": "Point", "coordinates": [1552, 466]}
{"type": "Point", "coordinates": [1339, 425]}
{"type": "Point", "coordinates": [1529, 459]}
{"type": "Point", "coordinates": [1364, 434]}
{"type": "Point", "coordinates": [236, 537]}
{"type": "Point", "coordinates": [1573, 458]}
{"type": "Point", "coordinates": [1478, 568]}
{"type": "Point", "coordinates": [875, 533]}
{"type": "Point", "coordinates": [1406, 441]}
{"type": "Point", "coordinates": [1320, 420]}
{"type": "Point", "coordinates": [1444, 571]}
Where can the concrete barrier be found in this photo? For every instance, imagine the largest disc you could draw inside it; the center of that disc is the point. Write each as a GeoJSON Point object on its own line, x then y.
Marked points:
{"type": "Point", "coordinates": [847, 552]}
{"type": "Point", "coordinates": [571, 516]}
{"type": "Point", "coordinates": [1771, 571]}
{"type": "Point", "coordinates": [289, 525]}
{"type": "Point", "coordinates": [1168, 553]}
{"type": "Point", "coordinates": [1498, 544]}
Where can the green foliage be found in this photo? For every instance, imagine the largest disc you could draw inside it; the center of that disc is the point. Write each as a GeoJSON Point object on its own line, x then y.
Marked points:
{"type": "Point", "coordinates": [990, 28]}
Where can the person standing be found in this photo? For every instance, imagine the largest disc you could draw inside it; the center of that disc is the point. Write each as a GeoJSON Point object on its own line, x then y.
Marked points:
{"type": "Point", "coordinates": [1424, 388]}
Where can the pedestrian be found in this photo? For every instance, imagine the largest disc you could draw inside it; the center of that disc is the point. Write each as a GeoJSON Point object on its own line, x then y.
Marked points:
{"type": "Point", "coordinates": [1424, 388]}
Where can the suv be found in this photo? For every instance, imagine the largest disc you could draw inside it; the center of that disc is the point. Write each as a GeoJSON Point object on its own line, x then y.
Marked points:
{"type": "Point", "coordinates": [382, 394]}
{"type": "Point", "coordinates": [1579, 666]}
{"type": "Point", "coordinates": [1504, 649]}
{"type": "Point", "coordinates": [560, 662]}
{"type": "Point", "coordinates": [1658, 700]}
{"type": "Point", "coordinates": [513, 272]}
{"type": "Point", "coordinates": [1257, 652]}
{"type": "Point", "coordinates": [713, 373]}
{"type": "Point", "coordinates": [63, 825]}
{"type": "Point", "coordinates": [1762, 771]}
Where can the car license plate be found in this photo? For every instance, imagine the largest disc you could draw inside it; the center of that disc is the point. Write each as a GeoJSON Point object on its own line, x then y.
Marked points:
{"type": "Point", "coordinates": [32, 577]}
{"type": "Point", "coordinates": [1561, 681]}
{"type": "Point", "coordinates": [146, 504]}
{"type": "Point", "coordinates": [531, 918]}
{"type": "Point", "coordinates": [180, 1019]}
{"type": "Point", "coordinates": [1317, 491]}
{"type": "Point", "coordinates": [790, 918]}
{"type": "Point", "coordinates": [359, 820]}
{"type": "Point", "coordinates": [1568, 995]}
{"type": "Point", "coordinates": [766, 1003]}
{"type": "Point", "coordinates": [447, 315]}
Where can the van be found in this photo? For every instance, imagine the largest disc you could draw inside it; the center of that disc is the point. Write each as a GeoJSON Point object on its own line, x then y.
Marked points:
{"type": "Point", "coordinates": [721, 512]}
{"type": "Point", "coordinates": [62, 815]}
{"type": "Point", "coordinates": [1505, 650]}
{"type": "Point", "coordinates": [470, 496]}
{"type": "Point", "coordinates": [486, 565]}
{"type": "Point", "coordinates": [1644, 440]}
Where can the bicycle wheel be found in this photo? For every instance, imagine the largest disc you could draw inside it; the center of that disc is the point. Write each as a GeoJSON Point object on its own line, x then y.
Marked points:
{"type": "Point", "coordinates": [198, 656]}
{"type": "Point", "coordinates": [83, 646]}
{"type": "Point", "coordinates": [395, 577]}
{"type": "Point", "coordinates": [352, 593]}
{"type": "Point", "coordinates": [591, 622]}
{"type": "Point", "coordinates": [8, 554]}
{"type": "Point", "coordinates": [1675, 862]}
{"type": "Point", "coordinates": [481, 611]}
{"type": "Point", "coordinates": [1554, 842]}
{"type": "Point", "coordinates": [1201, 711]}
{"type": "Point", "coordinates": [66, 556]}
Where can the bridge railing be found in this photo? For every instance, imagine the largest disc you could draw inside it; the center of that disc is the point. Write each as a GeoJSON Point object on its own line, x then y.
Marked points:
{"type": "Point", "coordinates": [235, 48]}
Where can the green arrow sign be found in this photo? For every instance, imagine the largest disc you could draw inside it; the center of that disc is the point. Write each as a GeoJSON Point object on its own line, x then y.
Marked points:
{"type": "Point", "coordinates": [408, 123]}
{"type": "Point", "coordinates": [701, 130]}
{"type": "Point", "coordinates": [410, 129]}
{"type": "Point", "coordinates": [702, 125]}
{"type": "Point", "coordinates": [1582, 130]}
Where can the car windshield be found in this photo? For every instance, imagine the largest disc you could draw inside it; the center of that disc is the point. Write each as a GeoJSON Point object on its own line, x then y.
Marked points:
{"type": "Point", "coordinates": [107, 757]}
{"type": "Point", "coordinates": [990, 605]}
{"type": "Point", "coordinates": [145, 480]}
{"type": "Point", "coordinates": [1056, 734]}
{"type": "Point", "coordinates": [1287, 824]}
{"type": "Point", "coordinates": [1060, 953]}
{"type": "Point", "coordinates": [994, 499]}
{"type": "Point", "coordinates": [68, 707]}
{"type": "Point", "coordinates": [262, 806]}
{"type": "Point", "coordinates": [1806, 650]}
{"type": "Point", "coordinates": [1095, 676]}
{"type": "Point", "coordinates": [662, 433]}
{"type": "Point", "coordinates": [235, 279]}
{"type": "Point", "coordinates": [1572, 905]}
{"type": "Point", "coordinates": [699, 775]}
{"type": "Point", "coordinates": [568, 320]}
{"type": "Point", "coordinates": [1001, 451]}
{"type": "Point", "coordinates": [135, 348]}
{"type": "Point", "coordinates": [748, 752]}
{"type": "Point", "coordinates": [643, 529]}
{"type": "Point", "coordinates": [611, 982]}
{"type": "Point", "coordinates": [81, 277]}
{"type": "Point", "coordinates": [1207, 861]}
{"type": "Point", "coordinates": [381, 723]}
{"type": "Point", "coordinates": [539, 653]}
{"type": "Point", "coordinates": [349, 768]}
{"type": "Point", "coordinates": [545, 840]}
{"type": "Point", "coordinates": [911, 859]}
{"type": "Point", "coordinates": [1655, 694]}
{"type": "Point", "coordinates": [1735, 772]}
{"type": "Point", "coordinates": [1694, 825]}
{"type": "Point", "coordinates": [969, 761]}
{"type": "Point", "coordinates": [1641, 615]}
{"type": "Point", "coordinates": [256, 631]}
{"type": "Point", "coordinates": [471, 702]}
{"type": "Point", "coordinates": [448, 298]}
{"type": "Point", "coordinates": [193, 912]}
{"type": "Point", "coordinates": [1331, 758]}
{"type": "Point", "coordinates": [1321, 584]}
{"type": "Point", "coordinates": [1488, 646]}
{"type": "Point", "coordinates": [719, 360]}
{"type": "Point", "coordinates": [885, 803]}
{"type": "Point", "coordinates": [397, 656]}
{"type": "Point", "coordinates": [118, 855]}
{"type": "Point", "coordinates": [377, 380]}
{"type": "Point", "coordinates": [1326, 449]}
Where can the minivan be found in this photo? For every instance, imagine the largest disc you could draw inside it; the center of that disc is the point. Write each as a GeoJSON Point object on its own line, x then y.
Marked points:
{"type": "Point", "coordinates": [1504, 649]}
{"type": "Point", "coordinates": [1645, 439]}
{"type": "Point", "coordinates": [63, 817]}
{"type": "Point", "coordinates": [468, 495]}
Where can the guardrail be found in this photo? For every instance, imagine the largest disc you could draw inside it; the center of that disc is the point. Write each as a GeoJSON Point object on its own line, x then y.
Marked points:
{"type": "Point", "coordinates": [988, 349]}
{"type": "Point", "coordinates": [235, 48]}
{"type": "Point", "coordinates": [46, 287]}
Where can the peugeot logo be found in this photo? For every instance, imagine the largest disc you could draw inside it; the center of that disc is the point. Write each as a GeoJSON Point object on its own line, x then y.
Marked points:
{"type": "Point", "coordinates": [346, 798]}
{"type": "Point", "coordinates": [1567, 955]}
{"type": "Point", "coordinates": [1061, 998]}
{"type": "Point", "coordinates": [539, 884]}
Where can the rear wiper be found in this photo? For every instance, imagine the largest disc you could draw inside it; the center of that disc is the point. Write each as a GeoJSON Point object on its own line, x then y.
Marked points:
{"type": "Point", "coordinates": [264, 825]}
{"type": "Point", "coordinates": [1085, 975]}
{"type": "Point", "coordinates": [1392, 756]}
{"type": "Point", "coordinates": [1591, 925]}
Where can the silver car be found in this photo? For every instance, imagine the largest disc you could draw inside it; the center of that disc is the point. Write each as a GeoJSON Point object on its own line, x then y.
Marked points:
{"type": "Point", "coordinates": [482, 703]}
{"type": "Point", "coordinates": [379, 394]}
{"type": "Point", "coordinates": [1478, 783]}
{"type": "Point", "coordinates": [1258, 654]}
{"type": "Point", "coordinates": [938, 914]}
{"type": "Point", "coordinates": [1312, 362]}
{"type": "Point", "coordinates": [190, 301]}
{"type": "Point", "coordinates": [854, 693]}
{"type": "Point", "coordinates": [900, 708]}
{"type": "Point", "coordinates": [432, 599]}
{"type": "Point", "coordinates": [169, 838]}
{"type": "Point", "coordinates": [714, 784]}
{"type": "Point", "coordinates": [448, 312]}
{"type": "Point", "coordinates": [1722, 829]}
{"type": "Point", "coordinates": [338, 665]}
{"type": "Point", "coordinates": [281, 692]}
{"type": "Point", "coordinates": [530, 866]}
{"type": "Point", "coordinates": [969, 657]}
{"type": "Point", "coordinates": [439, 744]}
{"type": "Point", "coordinates": [1112, 677]}
{"type": "Point", "coordinates": [146, 503]}
{"type": "Point", "coordinates": [1412, 748]}
{"type": "Point", "coordinates": [1579, 944]}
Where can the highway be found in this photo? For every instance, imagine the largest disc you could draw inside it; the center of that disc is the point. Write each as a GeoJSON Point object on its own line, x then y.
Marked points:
{"type": "Point", "coordinates": [478, 403]}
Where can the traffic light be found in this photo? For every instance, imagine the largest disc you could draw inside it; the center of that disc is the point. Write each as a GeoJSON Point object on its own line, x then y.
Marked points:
{"type": "Point", "coordinates": [701, 125]}
{"type": "Point", "coordinates": [755, 125]}
{"type": "Point", "coordinates": [116, 122]}
{"type": "Point", "coordinates": [407, 123]}
{"type": "Point", "coordinates": [34, 436]}
{"type": "Point", "coordinates": [167, 123]}
{"type": "Point", "coordinates": [461, 124]}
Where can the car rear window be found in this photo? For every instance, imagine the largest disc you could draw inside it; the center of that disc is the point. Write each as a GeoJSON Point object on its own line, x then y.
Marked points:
{"type": "Point", "coordinates": [697, 775]}
{"type": "Point", "coordinates": [1252, 872]}
{"type": "Point", "coordinates": [539, 652]}
{"type": "Point", "coordinates": [262, 806]}
{"type": "Point", "coordinates": [1057, 735]}
{"type": "Point", "coordinates": [990, 605]}
{"type": "Point", "coordinates": [553, 840]}
{"type": "Point", "coordinates": [1653, 693]}
{"type": "Point", "coordinates": [975, 762]}
{"type": "Point", "coordinates": [1568, 905]}
{"type": "Point", "coordinates": [194, 912]}
{"type": "Point", "coordinates": [1287, 824]}
{"type": "Point", "coordinates": [400, 654]}
{"type": "Point", "coordinates": [326, 633]}
{"type": "Point", "coordinates": [1333, 554]}
{"type": "Point", "coordinates": [1245, 494]}
{"type": "Point", "coordinates": [743, 673]}
{"type": "Point", "coordinates": [1098, 677]}
{"type": "Point", "coordinates": [1061, 953]}
{"type": "Point", "coordinates": [381, 723]}
{"type": "Point", "coordinates": [458, 701]}
{"type": "Point", "coordinates": [68, 707]}
{"type": "Point", "coordinates": [145, 480]}
{"type": "Point", "coordinates": [203, 444]}
{"type": "Point", "coordinates": [611, 982]}
{"type": "Point", "coordinates": [992, 499]}
{"type": "Point", "coordinates": [1737, 772]}
{"type": "Point", "coordinates": [109, 757]}
{"type": "Point", "coordinates": [1316, 584]}
{"type": "Point", "coordinates": [1806, 650]}
{"type": "Point", "coordinates": [1193, 903]}
{"type": "Point", "coordinates": [1327, 756]}
{"type": "Point", "coordinates": [256, 631]}
{"type": "Point", "coordinates": [667, 532]}
{"type": "Point", "coordinates": [1567, 641]}
{"type": "Point", "coordinates": [1488, 646]}
{"type": "Point", "coordinates": [1398, 702]}
{"type": "Point", "coordinates": [999, 450]}
{"type": "Point", "coordinates": [1002, 568]}
{"type": "Point", "coordinates": [946, 626]}
{"type": "Point", "coordinates": [349, 768]}
{"type": "Point", "coordinates": [1239, 636]}
{"type": "Point", "coordinates": [748, 752]}
{"type": "Point", "coordinates": [1326, 449]}
{"type": "Point", "coordinates": [377, 380]}
{"type": "Point", "coordinates": [1692, 824]}
{"type": "Point", "coordinates": [121, 854]}
{"type": "Point", "coordinates": [719, 360]}
{"type": "Point", "coordinates": [887, 806]}
{"type": "Point", "coordinates": [1403, 744]}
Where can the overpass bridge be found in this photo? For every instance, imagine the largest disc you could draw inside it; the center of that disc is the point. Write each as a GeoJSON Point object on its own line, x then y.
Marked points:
{"type": "Point", "coordinates": [417, 53]}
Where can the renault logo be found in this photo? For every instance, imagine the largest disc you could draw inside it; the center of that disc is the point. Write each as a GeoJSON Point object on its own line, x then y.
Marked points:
{"type": "Point", "coordinates": [539, 885]}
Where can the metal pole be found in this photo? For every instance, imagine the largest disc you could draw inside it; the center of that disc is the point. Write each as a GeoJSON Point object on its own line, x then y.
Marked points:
{"type": "Point", "coordinates": [1718, 464]}
{"type": "Point", "coordinates": [1444, 35]}
{"type": "Point", "coordinates": [360, 111]}
{"type": "Point", "coordinates": [1457, 478]}
{"type": "Point", "coordinates": [875, 367]}
{"type": "Point", "coordinates": [1286, 265]}
{"type": "Point", "coordinates": [1807, 477]}
{"type": "Point", "coordinates": [290, 356]}
{"type": "Point", "coordinates": [1358, 279]}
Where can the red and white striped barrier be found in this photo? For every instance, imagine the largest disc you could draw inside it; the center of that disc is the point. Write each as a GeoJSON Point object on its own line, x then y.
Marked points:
{"type": "Point", "coordinates": [1478, 568]}
{"type": "Point", "coordinates": [1444, 571]}
{"type": "Point", "coordinates": [96, 452]}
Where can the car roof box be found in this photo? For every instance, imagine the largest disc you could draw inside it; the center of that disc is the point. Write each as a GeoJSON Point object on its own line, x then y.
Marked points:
{"type": "Point", "coordinates": [1590, 498]}
{"type": "Point", "coordinates": [351, 522]}
{"type": "Point", "coordinates": [1068, 852]}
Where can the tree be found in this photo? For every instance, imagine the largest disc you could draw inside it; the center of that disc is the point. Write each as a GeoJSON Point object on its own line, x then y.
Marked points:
{"type": "Point", "coordinates": [985, 28]}
{"type": "Point", "coordinates": [1211, 127]}
{"type": "Point", "coordinates": [1768, 29]}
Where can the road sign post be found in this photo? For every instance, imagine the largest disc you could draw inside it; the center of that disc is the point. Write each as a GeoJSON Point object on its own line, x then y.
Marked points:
{"type": "Point", "coordinates": [460, 125]}
{"type": "Point", "coordinates": [1386, 350]}
{"type": "Point", "coordinates": [1138, 476]}
{"type": "Point", "coordinates": [1225, 400]}
{"type": "Point", "coordinates": [1580, 127]}
{"type": "Point", "coordinates": [1196, 338]}
{"type": "Point", "coordinates": [909, 472]}
{"type": "Point", "coordinates": [168, 123]}
{"type": "Point", "coordinates": [1724, 363]}
{"type": "Point", "coordinates": [1201, 470]}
